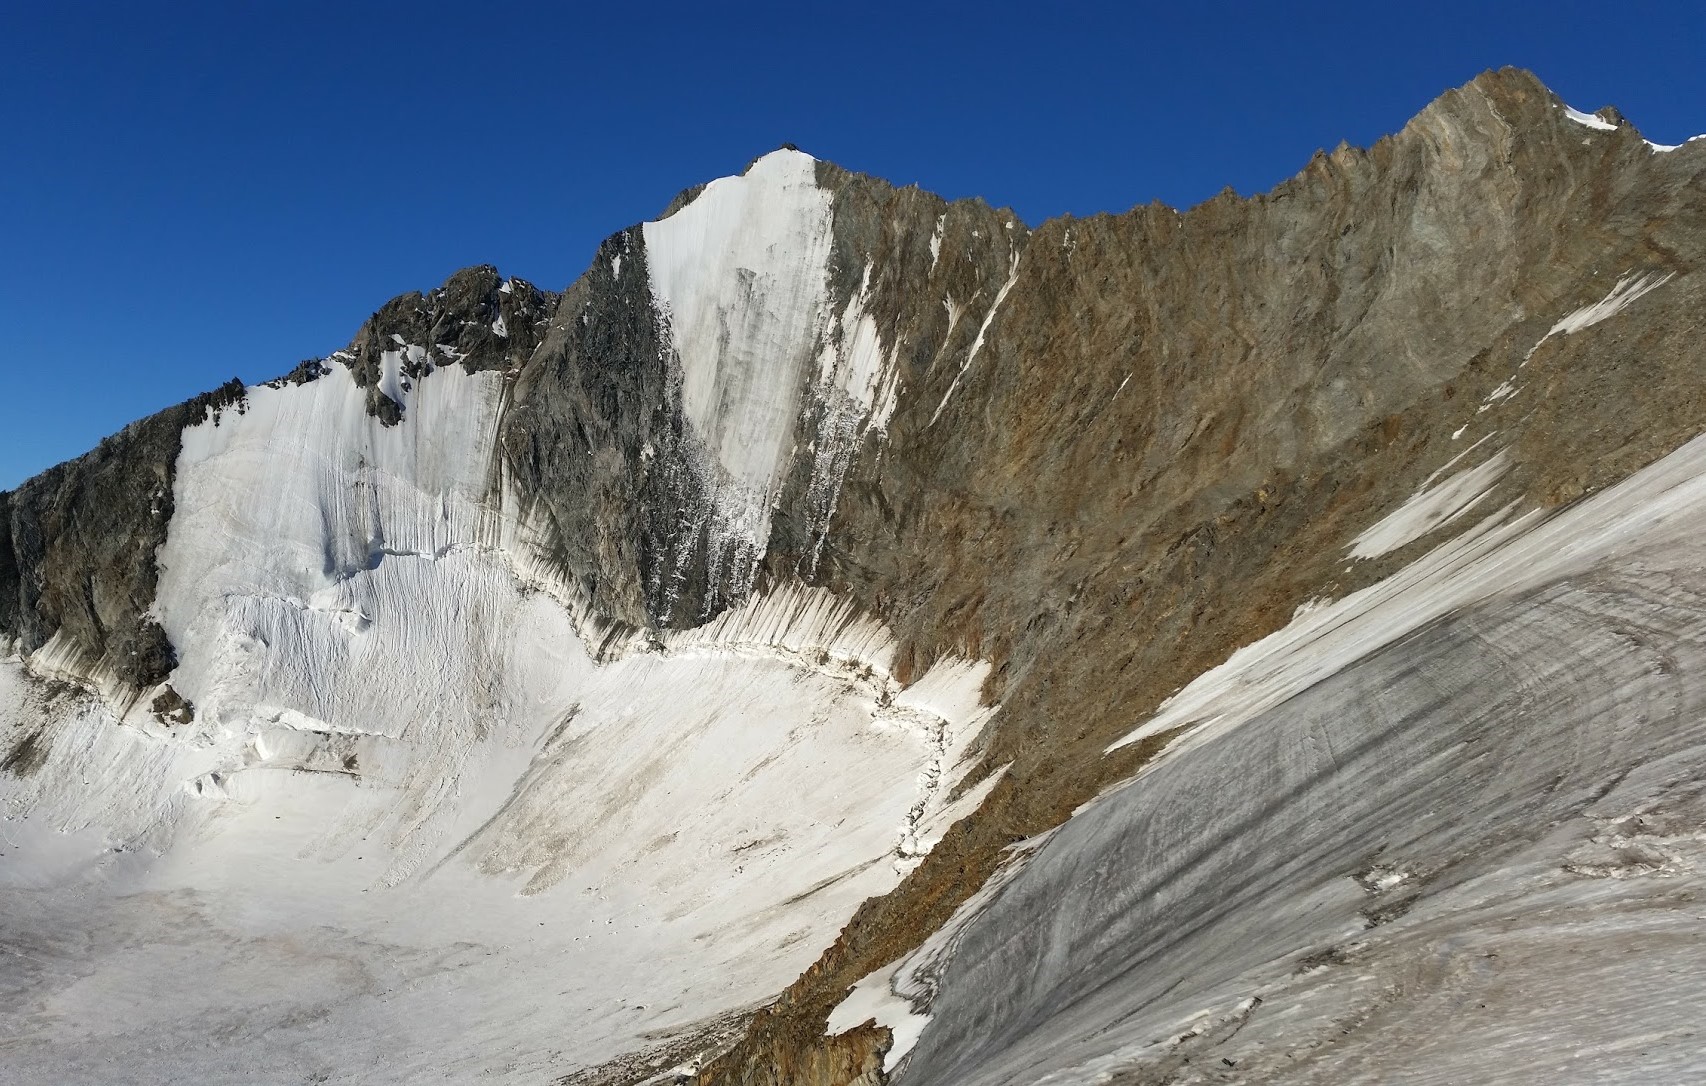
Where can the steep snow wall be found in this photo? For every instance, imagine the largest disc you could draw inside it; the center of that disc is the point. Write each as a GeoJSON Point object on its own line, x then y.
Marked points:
{"type": "Point", "coordinates": [739, 277]}
{"type": "Point", "coordinates": [766, 362]}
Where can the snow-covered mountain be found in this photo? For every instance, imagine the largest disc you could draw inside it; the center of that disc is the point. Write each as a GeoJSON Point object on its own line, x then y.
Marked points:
{"type": "Point", "coordinates": [848, 634]}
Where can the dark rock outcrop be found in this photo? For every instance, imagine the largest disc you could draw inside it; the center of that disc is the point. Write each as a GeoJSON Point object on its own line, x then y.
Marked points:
{"type": "Point", "coordinates": [477, 320]}
{"type": "Point", "coordinates": [589, 417]}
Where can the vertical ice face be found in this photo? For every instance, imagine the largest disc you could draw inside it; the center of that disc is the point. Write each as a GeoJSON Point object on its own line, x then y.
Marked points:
{"type": "Point", "coordinates": [740, 275]}
{"type": "Point", "coordinates": [301, 489]}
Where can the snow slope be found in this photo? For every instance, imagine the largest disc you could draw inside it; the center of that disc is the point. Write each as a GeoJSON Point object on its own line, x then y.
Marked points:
{"type": "Point", "coordinates": [1449, 828]}
{"type": "Point", "coordinates": [739, 278]}
{"type": "Point", "coordinates": [739, 275]}
{"type": "Point", "coordinates": [418, 829]}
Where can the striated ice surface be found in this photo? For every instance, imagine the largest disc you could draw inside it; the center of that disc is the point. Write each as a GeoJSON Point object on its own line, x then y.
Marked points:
{"type": "Point", "coordinates": [1449, 828]}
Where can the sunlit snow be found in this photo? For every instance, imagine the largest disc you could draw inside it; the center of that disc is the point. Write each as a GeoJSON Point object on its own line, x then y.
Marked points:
{"type": "Point", "coordinates": [412, 801]}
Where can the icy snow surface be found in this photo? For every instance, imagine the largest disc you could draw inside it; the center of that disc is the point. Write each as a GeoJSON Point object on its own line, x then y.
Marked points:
{"type": "Point", "coordinates": [1449, 828]}
{"type": "Point", "coordinates": [1629, 289]}
{"type": "Point", "coordinates": [1434, 506]}
{"type": "Point", "coordinates": [416, 831]}
{"type": "Point", "coordinates": [740, 273]}
{"type": "Point", "coordinates": [741, 276]}
{"type": "Point", "coordinates": [896, 994]}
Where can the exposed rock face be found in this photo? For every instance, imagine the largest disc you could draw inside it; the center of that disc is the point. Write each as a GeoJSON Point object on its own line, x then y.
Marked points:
{"type": "Point", "coordinates": [639, 458]}
{"type": "Point", "coordinates": [584, 428]}
{"type": "Point", "coordinates": [812, 418]}
{"type": "Point", "coordinates": [477, 320]}
{"type": "Point", "coordinates": [1183, 420]}
{"type": "Point", "coordinates": [77, 552]}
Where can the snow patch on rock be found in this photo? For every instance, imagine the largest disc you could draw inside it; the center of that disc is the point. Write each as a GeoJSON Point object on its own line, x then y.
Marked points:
{"type": "Point", "coordinates": [1589, 120]}
{"type": "Point", "coordinates": [855, 392]}
{"type": "Point", "coordinates": [977, 342]}
{"type": "Point", "coordinates": [874, 999]}
{"type": "Point", "coordinates": [1434, 506]}
{"type": "Point", "coordinates": [1629, 289]}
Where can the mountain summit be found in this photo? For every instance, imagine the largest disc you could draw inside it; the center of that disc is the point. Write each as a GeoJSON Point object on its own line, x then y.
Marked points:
{"type": "Point", "coordinates": [851, 636]}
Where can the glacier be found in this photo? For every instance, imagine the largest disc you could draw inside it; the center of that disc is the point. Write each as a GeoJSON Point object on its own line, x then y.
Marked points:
{"type": "Point", "coordinates": [419, 771]}
{"type": "Point", "coordinates": [1444, 829]}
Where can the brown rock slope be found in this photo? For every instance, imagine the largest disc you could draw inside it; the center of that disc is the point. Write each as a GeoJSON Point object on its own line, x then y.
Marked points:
{"type": "Point", "coordinates": [1177, 423]}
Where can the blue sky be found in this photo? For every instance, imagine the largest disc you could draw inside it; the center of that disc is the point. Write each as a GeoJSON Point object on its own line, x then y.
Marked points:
{"type": "Point", "coordinates": [190, 192]}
